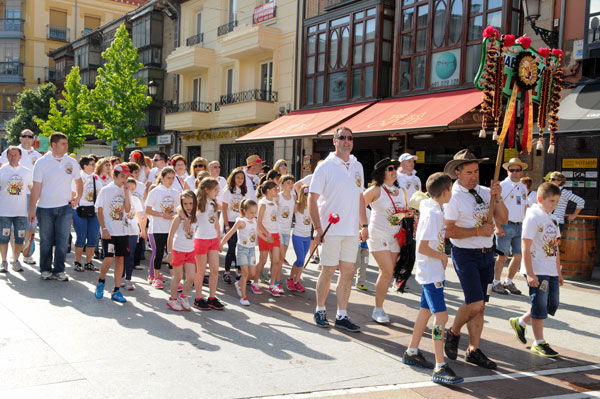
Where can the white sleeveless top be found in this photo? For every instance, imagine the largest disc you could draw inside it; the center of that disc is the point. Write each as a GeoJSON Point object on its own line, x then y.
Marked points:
{"type": "Point", "coordinates": [184, 241]}
{"type": "Point", "coordinates": [270, 216]}
{"type": "Point", "coordinates": [206, 223]}
{"type": "Point", "coordinates": [302, 226]}
{"type": "Point", "coordinates": [384, 219]}
{"type": "Point", "coordinates": [142, 176]}
{"type": "Point", "coordinates": [285, 209]}
{"type": "Point", "coordinates": [247, 236]}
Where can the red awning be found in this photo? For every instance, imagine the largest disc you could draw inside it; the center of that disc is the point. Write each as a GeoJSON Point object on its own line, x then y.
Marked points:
{"type": "Point", "coordinates": [305, 123]}
{"type": "Point", "coordinates": [435, 110]}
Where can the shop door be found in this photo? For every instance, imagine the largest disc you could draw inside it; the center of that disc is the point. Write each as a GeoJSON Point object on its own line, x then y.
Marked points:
{"type": "Point", "coordinates": [194, 152]}
{"type": "Point", "coordinates": [233, 155]}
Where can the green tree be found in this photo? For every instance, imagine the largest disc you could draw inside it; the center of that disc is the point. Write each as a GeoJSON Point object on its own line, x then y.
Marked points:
{"type": "Point", "coordinates": [119, 98]}
{"type": "Point", "coordinates": [30, 104]}
{"type": "Point", "coordinates": [70, 115]}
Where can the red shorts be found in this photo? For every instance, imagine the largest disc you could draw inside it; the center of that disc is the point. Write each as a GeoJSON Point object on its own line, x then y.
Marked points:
{"type": "Point", "coordinates": [201, 247]}
{"type": "Point", "coordinates": [181, 258]}
{"type": "Point", "coordinates": [267, 246]}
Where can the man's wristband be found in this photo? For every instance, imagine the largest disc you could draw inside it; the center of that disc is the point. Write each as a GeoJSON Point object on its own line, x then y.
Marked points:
{"type": "Point", "coordinates": [364, 225]}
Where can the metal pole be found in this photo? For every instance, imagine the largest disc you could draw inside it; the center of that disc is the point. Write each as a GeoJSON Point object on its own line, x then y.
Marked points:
{"type": "Point", "coordinates": [561, 29]}
{"type": "Point", "coordinates": [75, 33]}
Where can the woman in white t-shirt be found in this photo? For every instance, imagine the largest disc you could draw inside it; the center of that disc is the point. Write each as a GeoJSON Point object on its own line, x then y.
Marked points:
{"type": "Point", "coordinates": [197, 166]}
{"type": "Point", "coordinates": [301, 238]}
{"type": "Point", "coordinates": [285, 213]}
{"type": "Point", "coordinates": [133, 221]}
{"type": "Point", "coordinates": [179, 163]}
{"type": "Point", "coordinates": [389, 205]}
{"type": "Point", "coordinates": [139, 158]}
{"type": "Point", "coordinates": [160, 209]}
{"type": "Point", "coordinates": [87, 228]}
{"type": "Point", "coordinates": [231, 198]}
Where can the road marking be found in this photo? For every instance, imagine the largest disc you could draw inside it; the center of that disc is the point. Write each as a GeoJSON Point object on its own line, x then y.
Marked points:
{"type": "Point", "coordinates": [427, 384]}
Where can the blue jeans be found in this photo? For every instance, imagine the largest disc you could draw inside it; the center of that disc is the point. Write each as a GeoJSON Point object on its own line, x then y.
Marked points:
{"type": "Point", "coordinates": [129, 259]}
{"type": "Point", "coordinates": [86, 230]}
{"type": "Point", "coordinates": [301, 247]}
{"type": "Point", "coordinates": [544, 302]}
{"type": "Point", "coordinates": [510, 243]}
{"type": "Point", "coordinates": [55, 226]}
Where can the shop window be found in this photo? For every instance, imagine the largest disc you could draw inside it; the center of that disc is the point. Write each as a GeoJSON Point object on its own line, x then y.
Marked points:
{"type": "Point", "coordinates": [266, 78]}
{"type": "Point", "coordinates": [593, 23]}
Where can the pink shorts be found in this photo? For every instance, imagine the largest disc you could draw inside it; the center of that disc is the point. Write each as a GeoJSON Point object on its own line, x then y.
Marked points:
{"type": "Point", "coordinates": [267, 246]}
{"type": "Point", "coordinates": [201, 247]}
{"type": "Point", "coordinates": [181, 258]}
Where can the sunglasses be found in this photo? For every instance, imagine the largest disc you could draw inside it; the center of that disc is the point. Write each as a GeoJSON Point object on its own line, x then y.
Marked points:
{"type": "Point", "coordinates": [216, 167]}
{"type": "Point", "coordinates": [515, 170]}
{"type": "Point", "coordinates": [26, 137]}
{"type": "Point", "coordinates": [156, 159]}
{"type": "Point", "coordinates": [342, 138]}
{"type": "Point", "coordinates": [475, 194]}
{"type": "Point", "coordinates": [391, 168]}
{"type": "Point", "coordinates": [283, 164]}
{"type": "Point", "coordinates": [554, 179]}
{"type": "Point", "coordinates": [198, 166]}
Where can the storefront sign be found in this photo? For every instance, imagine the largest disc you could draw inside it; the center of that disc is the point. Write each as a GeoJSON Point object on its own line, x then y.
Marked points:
{"type": "Point", "coordinates": [445, 68]}
{"type": "Point", "coordinates": [141, 142]}
{"type": "Point", "coordinates": [580, 163]}
{"type": "Point", "coordinates": [577, 50]}
{"type": "Point", "coordinates": [306, 163]}
{"type": "Point", "coordinates": [163, 139]}
{"type": "Point", "coordinates": [420, 156]}
{"type": "Point", "coordinates": [264, 13]}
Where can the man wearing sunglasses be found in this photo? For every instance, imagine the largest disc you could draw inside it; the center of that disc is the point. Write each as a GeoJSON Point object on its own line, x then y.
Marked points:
{"type": "Point", "coordinates": [508, 236]}
{"type": "Point", "coordinates": [471, 233]}
{"type": "Point", "coordinates": [159, 161]}
{"type": "Point", "coordinates": [253, 167]}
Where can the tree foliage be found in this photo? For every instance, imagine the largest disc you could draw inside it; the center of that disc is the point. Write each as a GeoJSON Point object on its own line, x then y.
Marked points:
{"type": "Point", "coordinates": [70, 115]}
{"type": "Point", "coordinates": [119, 98]}
{"type": "Point", "coordinates": [30, 104]}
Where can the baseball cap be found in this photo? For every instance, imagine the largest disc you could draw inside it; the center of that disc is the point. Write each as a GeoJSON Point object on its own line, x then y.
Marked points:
{"type": "Point", "coordinates": [406, 156]}
{"type": "Point", "coordinates": [122, 168]}
{"type": "Point", "coordinates": [252, 159]}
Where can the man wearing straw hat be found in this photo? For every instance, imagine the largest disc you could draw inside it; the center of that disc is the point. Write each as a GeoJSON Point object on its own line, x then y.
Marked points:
{"type": "Point", "coordinates": [470, 230]}
{"type": "Point", "coordinates": [508, 236]}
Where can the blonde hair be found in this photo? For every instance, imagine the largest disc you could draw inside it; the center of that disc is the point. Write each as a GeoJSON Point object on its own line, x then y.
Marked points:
{"type": "Point", "coordinates": [196, 161]}
{"type": "Point", "coordinates": [101, 162]}
{"type": "Point", "coordinates": [302, 200]}
{"type": "Point", "coordinates": [189, 194]}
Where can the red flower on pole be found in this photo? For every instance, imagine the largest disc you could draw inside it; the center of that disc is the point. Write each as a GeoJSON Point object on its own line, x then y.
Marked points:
{"type": "Point", "coordinates": [333, 218]}
{"type": "Point", "coordinates": [509, 40]}
{"type": "Point", "coordinates": [524, 41]}
{"type": "Point", "coordinates": [544, 52]}
{"type": "Point", "coordinates": [490, 32]}
{"type": "Point", "coordinates": [558, 53]}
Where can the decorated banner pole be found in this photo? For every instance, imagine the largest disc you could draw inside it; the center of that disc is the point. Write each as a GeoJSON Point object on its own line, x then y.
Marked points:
{"type": "Point", "coordinates": [334, 218]}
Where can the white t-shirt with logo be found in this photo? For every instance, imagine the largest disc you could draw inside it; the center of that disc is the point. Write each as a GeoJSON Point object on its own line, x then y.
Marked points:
{"type": "Point", "coordinates": [515, 199]}
{"type": "Point", "coordinates": [542, 228]}
{"type": "Point", "coordinates": [411, 183]}
{"type": "Point", "coordinates": [184, 240]}
{"type": "Point", "coordinates": [339, 185]}
{"type": "Point", "coordinates": [285, 212]}
{"type": "Point", "coordinates": [384, 219]}
{"type": "Point", "coordinates": [87, 196]}
{"type": "Point", "coordinates": [163, 200]}
{"type": "Point", "coordinates": [251, 184]}
{"type": "Point", "coordinates": [112, 201]}
{"type": "Point", "coordinates": [131, 221]}
{"type": "Point", "coordinates": [247, 237]}
{"type": "Point", "coordinates": [233, 202]}
{"type": "Point", "coordinates": [468, 214]}
{"type": "Point", "coordinates": [431, 228]}
{"type": "Point", "coordinates": [303, 226]}
{"type": "Point", "coordinates": [206, 223]}
{"type": "Point", "coordinates": [28, 159]}
{"type": "Point", "coordinates": [55, 175]}
{"type": "Point", "coordinates": [269, 220]}
{"type": "Point", "coordinates": [14, 182]}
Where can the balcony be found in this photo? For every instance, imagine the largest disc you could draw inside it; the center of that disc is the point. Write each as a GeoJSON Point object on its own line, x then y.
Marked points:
{"type": "Point", "coordinates": [249, 95]}
{"type": "Point", "coordinates": [251, 41]}
{"type": "Point", "coordinates": [251, 106]}
{"type": "Point", "coordinates": [11, 71]}
{"type": "Point", "coordinates": [11, 28]}
{"type": "Point", "coordinates": [196, 39]}
{"type": "Point", "coordinates": [225, 29]}
{"type": "Point", "coordinates": [193, 115]}
{"type": "Point", "coordinates": [58, 33]}
{"type": "Point", "coordinates": [190, 59]}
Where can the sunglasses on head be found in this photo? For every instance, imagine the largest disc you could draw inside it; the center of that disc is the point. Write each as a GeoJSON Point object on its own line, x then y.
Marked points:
{"type": "Point", "coordinates": [26, 136]}
{"type": "Point", "coordinates": [349, 138]}
{"type": "Point", "coordinates": [515, 170]}
{"type": "Point", "coordinates": [391, 168]}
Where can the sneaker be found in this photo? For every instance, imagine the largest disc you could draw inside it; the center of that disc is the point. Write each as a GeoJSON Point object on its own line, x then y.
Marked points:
{"type": "Point", "coordinates": [215, 304]}
{"type": "Point", "coordinates": [138, 267]}
{"type": "Point", "coordinates": [518, 329]}
{"type": "Point", "coordinates": [179, 287]}
{"type": "Point", "coordinates": [380, 316]}
{"type": "Point", "coordinates": [16, 266]}
{"type": "Point", "coordinates": [416, 360]}
{"type": "Point", "coordinates": [78, 267]}
{"type": "Point", "coordinates": [512, 288]}
{"type": "Point", "coordinates": [362, 287]}
{"type": "Point", "coordinates": [184, 302]}
{"type": "Point", "coordinates": [29, 260]}
{"type": "Point", "coordinates": [315, 259]}
{"type": "Point", "coordinates": [256, 289]}
{"type": "Point", "coordinates": [150, 279]}
{"type": "Point", "coordinates": [290, 285]}
{"type": "Point", "coordinates": [160, 277]}
{"type": "Point", "coordinates": [122, 283]}
{"type": "Point", "coordinates": [299, 287]}
{"type": "Point", "coordinates": [245, 301]}
{"type": "Point", "coordinates": [451, 345]}
{"type": "Point", "coordinates": [4, 267]}
{"type": "Point", "coordinates": [237, 288]}
{"type": "Point", "coordinates": [201, 304]}
{"type": "Point", "coordinates": [91, 266]}
{"type": "Point", "coordinates": [129, 285]}
{"type": "Point", "coordinates": [477, 357]}
{"type": "Point", "coordinates": [445, 375]}
{"type": "Point", "coordinates": [321, 319]}
{"type": "Point", "coordinates": [174, 304]}
{"type": "Point", "coordinates": [157, 283]}
{"type": "Point", "coordinates": [499, 289]}
{"type": "Point", "coordinates": [280, 288]}
{"type": "Point", "coordinates": [118, 297]}
{"type": "Point", "coordinates": [238, 277]}
{"type": "Point", "coordinates": [43, 275]}
{"type": "Point", "coordinates": [226, 278]}
{"type": "Point", "coordinates": [346, 324]}
{"type": "Point", "coordinates": [274, 291]}
{"type": "Point", "coordinates": [543, 349]}
{"type": "Point", "coordinates": [62, 276]}
{"type": "Point", "coordinates": [99, 293]}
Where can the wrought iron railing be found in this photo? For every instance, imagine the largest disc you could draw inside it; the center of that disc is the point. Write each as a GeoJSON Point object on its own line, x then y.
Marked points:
{"type": "Point", "coordinates": [249, 95]}
{"type": "Point", "coordinates": [13, 68]}
{"type": "Point", "coordinates": [58, 33]}
{"type": "Point", "coordinates": [11, 25]}
{"type": "Point", "coordinates": [224, 29]}
{"type": "Point", "coordinates": [187, 107]}
{"type": "Point", "coordinates": [196, 39]}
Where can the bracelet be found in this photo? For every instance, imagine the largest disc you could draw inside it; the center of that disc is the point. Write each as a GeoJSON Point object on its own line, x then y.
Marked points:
{"type": "Point", "coordinates": [477, 230]}
{"type": "Point", "coordinates": [364, 226]}
{"type": "Point", "coordinates": [104, 228]}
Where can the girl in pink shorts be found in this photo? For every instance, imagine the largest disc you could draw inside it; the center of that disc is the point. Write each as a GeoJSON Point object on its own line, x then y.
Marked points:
{"type": "Point", "coordinates": [180, 248]}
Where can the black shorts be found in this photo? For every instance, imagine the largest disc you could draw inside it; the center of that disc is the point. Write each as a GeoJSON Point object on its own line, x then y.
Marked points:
{"type": "Point", "coordinates": [116, 246]}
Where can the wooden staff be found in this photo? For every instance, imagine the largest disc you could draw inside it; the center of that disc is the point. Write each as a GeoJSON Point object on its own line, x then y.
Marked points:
{"type": "Point", "coordinates": [499, 159]}
{"type": "Point", "coordinates": [333, 219]}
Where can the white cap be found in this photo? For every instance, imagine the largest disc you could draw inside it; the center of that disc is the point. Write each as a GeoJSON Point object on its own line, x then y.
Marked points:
{"type": "Point", "coordinates": [406, 156]}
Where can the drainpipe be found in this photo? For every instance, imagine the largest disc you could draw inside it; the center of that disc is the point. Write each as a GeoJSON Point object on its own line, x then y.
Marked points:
{"type": "Point", "coordinates": [561, 30]}
{"type": "Point", "coordinates": [75, 33]}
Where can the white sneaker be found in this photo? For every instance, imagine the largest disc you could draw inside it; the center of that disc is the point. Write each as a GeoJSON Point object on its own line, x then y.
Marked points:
{"type": "Point", "coordinates": [184, 302]}
{"type": "Point", "coordinates": [4, 267]}
{"type": "Point", "coordinates": [174, 305]}
{"type": "Point", "coordinates": [245, 301]}
{"type": "Point", "coordinates": [122, 284]}
{"type": "Point", "coordinates": [237, 288]}
{"type": "Point", "coordinates": [29, 260]}
{"type": "Point", "coordinates": [62, 276]}
{"type": "Point", "coordinates": [129, 285]}
{"type": "Point", "coordinates": [46, 276]}
{"type": "Point", "coordinates": [380, 316]}
{"type": "Point", "coordinates": [16, 266]}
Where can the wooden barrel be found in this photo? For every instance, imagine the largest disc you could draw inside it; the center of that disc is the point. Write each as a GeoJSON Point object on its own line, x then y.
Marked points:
{"type": "Point", "coordinates": [578, 247]}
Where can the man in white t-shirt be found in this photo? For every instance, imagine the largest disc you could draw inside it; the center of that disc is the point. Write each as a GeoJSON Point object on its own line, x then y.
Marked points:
{"type": "Point", "coordinates": [407, 175]}
{"type": "Point", "coordinates": [254, 166]}
{"type": "Point", "coordinates": [470, 231]}
{"type": "Point", "coordinates": [52, 178]}
{"type": "Point", "coordinates": [508, 236]}
{"type": "Point", "coordinates": [159, 161]}
{"type": "Point", "coordinates": [15, 181]}
{"type": "Point", "coordinates": [337, 187]}
{"type": "Point", "coordinates": [214, 167]}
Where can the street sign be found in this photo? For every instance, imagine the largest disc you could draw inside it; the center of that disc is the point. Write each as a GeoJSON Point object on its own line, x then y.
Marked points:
{"type": "Point", "coordinates": [163, 139]}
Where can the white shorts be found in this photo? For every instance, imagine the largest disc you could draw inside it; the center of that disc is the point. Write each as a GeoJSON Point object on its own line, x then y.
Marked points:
{"type": "Point", "coordinates": [339, 248]}
{"type": "Point", "coordinates": [382, 242]}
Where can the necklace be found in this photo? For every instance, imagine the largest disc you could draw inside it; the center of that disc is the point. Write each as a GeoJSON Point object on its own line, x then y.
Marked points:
{"type": "Point", "coordinates": [393, 190]}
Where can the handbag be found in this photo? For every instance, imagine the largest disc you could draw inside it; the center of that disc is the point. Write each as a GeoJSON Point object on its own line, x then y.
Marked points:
{"type": "Point", "coordinates": [401, 235]}
{"type": "Point", "coordinates": [88, 211]}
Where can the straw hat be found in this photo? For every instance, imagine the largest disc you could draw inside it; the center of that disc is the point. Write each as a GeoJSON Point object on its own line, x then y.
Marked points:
{"type": "Point", "coordinates": [514, 161]}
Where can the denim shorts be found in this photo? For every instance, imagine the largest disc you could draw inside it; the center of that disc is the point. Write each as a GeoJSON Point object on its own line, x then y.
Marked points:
{"type": "Point", "coordinates": [432, 297]}
{"type": "Point", "coordinates": [475, 270]}
{"type": "Point", "coordinates": [544, 303]}
{"type": "Point", "coordinates": [285, 239]}
{"type": "Point", "coordinates": [245, 256]}
{"type": "Point", "coordinates": [18, 225]}
{"type": "Point", "coordinates": [510, 243]}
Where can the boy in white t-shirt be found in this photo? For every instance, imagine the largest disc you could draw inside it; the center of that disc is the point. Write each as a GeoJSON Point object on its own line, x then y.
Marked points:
{"type": "Point", "coordinates": [541, 264]}
{"type": "Point", "coordinates": [431, 261]}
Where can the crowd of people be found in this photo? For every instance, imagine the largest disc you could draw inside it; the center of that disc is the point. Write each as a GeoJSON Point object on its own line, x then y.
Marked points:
{"type": "Point", "coordinates": [188, 214]}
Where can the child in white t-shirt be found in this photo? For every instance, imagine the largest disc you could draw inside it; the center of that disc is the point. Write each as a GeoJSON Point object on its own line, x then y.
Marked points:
{"type": "Point", "coordinates": [541, 264]}
{"type": "Point", "coordinates": [431, 261]}
{"type": "Point", "coordinates": [285, 213]}
{"type": "Point", "coordinates": [133, 221]}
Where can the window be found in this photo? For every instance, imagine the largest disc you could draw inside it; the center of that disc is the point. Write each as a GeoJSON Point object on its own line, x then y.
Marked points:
{"type": "Point", "coordinates": [140, 32]}
{"type": "Point", "coordinates": [91, 22]}
{"type": "Point", "coordinates": [196, 90]}
{"type": "Point", "coordinates": [593, 25]}
{"type": "Point", "coordinates": [81, 57]}
{"type": "Point", "coordinates": [198, 23]}
{"type": "Point", "coordinates": [229, 90]}
{"type": "Point", "coordinates": [266, 78]}
{"type": "Point", "coordinates": [58, 17]}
